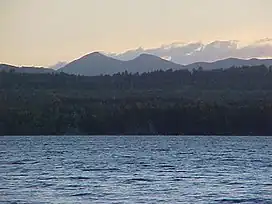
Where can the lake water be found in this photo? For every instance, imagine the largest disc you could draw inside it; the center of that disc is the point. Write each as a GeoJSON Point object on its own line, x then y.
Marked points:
{"type": "Point", "coordinates": [129, 169]}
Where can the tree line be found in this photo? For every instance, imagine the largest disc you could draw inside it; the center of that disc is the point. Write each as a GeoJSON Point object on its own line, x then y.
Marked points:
{"type": "Point", "coordinates": [235, 101]}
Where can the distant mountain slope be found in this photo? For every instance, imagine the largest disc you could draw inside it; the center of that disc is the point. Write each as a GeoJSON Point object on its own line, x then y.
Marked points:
{"type": "Point", "coordinates": [148, 63]}
{"type": "Point", "coordinates": [93, 64]}
{"type": "Point", "coordinates": [31, 70]}
{"type": "Point", "coordinates": [97, 63]}
{"type": "Point", "coordinates": [6, 67]}
{"type": "Point", "coordinates": [230, 62]}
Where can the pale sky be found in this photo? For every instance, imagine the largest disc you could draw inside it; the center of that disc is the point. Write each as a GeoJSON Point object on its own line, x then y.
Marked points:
{"type": "Point", "coordinates": [43, 32]}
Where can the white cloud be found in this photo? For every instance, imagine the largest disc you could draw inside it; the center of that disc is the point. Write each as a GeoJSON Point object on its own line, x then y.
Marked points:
{"type": "Point", "coordinates": [264, 41]}
{"type": "Point", "coordinates": [183, 53]}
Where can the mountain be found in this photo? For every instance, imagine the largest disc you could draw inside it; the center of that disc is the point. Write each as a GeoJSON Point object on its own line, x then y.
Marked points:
{"type": "Point", "coordinates": [93, 64]}
{"type": "Point", "coordinates": [30, 70]}
{"type": "Point", "coordinates": [148, 63]}
{"type": "Point", "coordinates": [96, 64]}
{"type": "Point", "coordinates": [6, 67]}
{"type": "Point", "coordinates": [230, 62]}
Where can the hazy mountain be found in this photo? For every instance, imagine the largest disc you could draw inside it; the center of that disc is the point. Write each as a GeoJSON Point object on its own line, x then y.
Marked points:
{"type": "Point", "coordinates": [148, 63]}
{"type": "Point", "coordinates": [6, 67]}
{"type": "Point", "coordinates": [97, 63]}
{"type": "Point", "coordinates": [31, 70]}
{"type": "Point", "coordinates": [230, 62]}
{"type": "Point", "coordinates": [93, 64]}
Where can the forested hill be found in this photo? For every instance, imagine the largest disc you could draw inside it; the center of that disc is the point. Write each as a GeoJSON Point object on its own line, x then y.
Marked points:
{"type": "Point", "coordinates": [245, 78]}
{"type": "Point", "coordinates": [235, 101]}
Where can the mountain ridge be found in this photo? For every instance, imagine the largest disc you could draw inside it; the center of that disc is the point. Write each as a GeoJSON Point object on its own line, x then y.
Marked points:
{"type": "Point", "coordinates": [96, 63]}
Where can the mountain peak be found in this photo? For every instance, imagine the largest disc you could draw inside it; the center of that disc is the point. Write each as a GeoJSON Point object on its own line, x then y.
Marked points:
{"type": "Point", "coordinates": [146, 56]}
{"type": "Point", "coordinates": [94, 54]}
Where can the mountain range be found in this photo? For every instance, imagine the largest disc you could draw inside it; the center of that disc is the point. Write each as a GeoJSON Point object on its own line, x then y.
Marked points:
{"type": "Point", "coordinates": [97, 63]}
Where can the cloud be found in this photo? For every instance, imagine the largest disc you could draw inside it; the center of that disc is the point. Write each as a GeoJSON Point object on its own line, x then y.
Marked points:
{"type": "Point", "coordinates": [265, 40]}
{"type": "Point", "coordinates": [183, 53]}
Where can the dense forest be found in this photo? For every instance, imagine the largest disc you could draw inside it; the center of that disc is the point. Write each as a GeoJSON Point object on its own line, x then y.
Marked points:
{"type": "Point", "coordinates": [234, 101]}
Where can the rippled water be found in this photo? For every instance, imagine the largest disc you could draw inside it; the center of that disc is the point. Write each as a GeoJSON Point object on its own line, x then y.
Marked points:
{"type": "Point", "coordinates": [85, 169]}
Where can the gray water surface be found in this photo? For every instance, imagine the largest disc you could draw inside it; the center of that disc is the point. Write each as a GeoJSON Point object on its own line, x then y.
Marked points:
{"type": "Point", "coordinates": [129, 169]}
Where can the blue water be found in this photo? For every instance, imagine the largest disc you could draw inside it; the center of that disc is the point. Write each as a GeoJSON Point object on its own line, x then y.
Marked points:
{"type": "Point", "coordinates": [85, 169]}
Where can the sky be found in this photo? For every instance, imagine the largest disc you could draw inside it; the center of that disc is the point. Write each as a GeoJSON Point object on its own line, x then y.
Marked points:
{"type": "Point", "coordinates": [43, 32]}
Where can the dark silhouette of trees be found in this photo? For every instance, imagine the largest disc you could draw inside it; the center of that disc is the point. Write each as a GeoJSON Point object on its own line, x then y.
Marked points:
{"type": "Point", "coordinates": [235, 101]}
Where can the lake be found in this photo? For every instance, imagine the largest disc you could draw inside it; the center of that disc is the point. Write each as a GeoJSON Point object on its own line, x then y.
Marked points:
{"type": "Point", "coordinates": [135, 169]}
